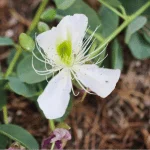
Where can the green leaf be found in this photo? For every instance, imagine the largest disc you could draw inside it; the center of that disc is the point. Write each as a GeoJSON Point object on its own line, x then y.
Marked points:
{"type": "Point", "coordinates": [132, 6]}
{"type": "Point", "coordinates": [117, 55]}
{"type": "Point", "coordinates": [81, 7]}
{"type": "Point", "coordinates": [48, 15]}
{"type": "Point", "coordinates": [3, 141]}
{"type": "Point", "coordinates": [42, 27]}
{"type": "Point", "coordinates": [139, 47]}
{"type": "Point", "coordinates": [107, 17]}
{"type": "Point", "coordinates": [146, 36]}
{"type": "Point", "coordinates": [20, 135]}
{"type": "Point", "coordinates": [3, 98]}
{"type": "Point", "coordinates": [64, 4]}
{"type": "Point", "coordinates": [134, 26]}
{"type": "Point", "coordinates": [2, 82]}
{"type": "Point", "coordinates": [26, 42]}
{"type": "Point", "coordinates": [22, 88]}
{"type": "Point", "coordinates": [27, 74]}
{"type": "Point", "coordinates": [113, 3]}
{"type": "Point", "coordinates": [5, 41]}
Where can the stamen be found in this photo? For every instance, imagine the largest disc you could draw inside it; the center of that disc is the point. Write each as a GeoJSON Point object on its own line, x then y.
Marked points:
{"type": "Point", "coordinates": [81, 55]}
{"type": "Point", "coordinates": [87, 58]}
{"type": "Point", "coordinates": [90, 38]}
{"type": "Point", "coordinates": [37, 57]}
{"type": "Point", "coordinates": [74, 91]}
{"type": "Point", "coordinates": [79, 58]}
{"type": "Point", "coordinates": [44, 72]}
{"type": "Point", "coordinates": [101, 60]}
{"type": "Point", "coordinates": [80, 82]}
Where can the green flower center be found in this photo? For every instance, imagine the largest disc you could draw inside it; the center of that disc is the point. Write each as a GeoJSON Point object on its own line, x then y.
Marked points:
{"type": "Point", "coordinates": [64, 51]}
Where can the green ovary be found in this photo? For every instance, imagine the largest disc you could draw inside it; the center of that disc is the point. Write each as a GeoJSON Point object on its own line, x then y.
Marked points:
{"type": "Point", "coordinates": [64, 51]}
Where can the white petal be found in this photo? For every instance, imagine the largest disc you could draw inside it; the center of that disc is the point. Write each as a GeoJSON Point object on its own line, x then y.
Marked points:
{"type": "Point", "coordinates": [99, 80]}
{"type": "Point", "coordinates": [75, 26]}
{"type": "Point", "coordinates": [55, 98]}
{"type": "Point", "coordinates": [47, 41]}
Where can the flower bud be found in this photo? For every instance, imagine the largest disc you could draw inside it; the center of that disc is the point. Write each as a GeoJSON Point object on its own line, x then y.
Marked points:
{"type": "Point", "coordinates": [16, 146]}
{"type": "Point", "coordinates": [26, 42]}
{"type": "Point", "coordinates": [58, 136]}
{"type": "Point", "coordinates": [48, 15]}
{"type": "Point", "coordinates": [63, 125]}
{"type": "Point", "coordinates": [42, 27]}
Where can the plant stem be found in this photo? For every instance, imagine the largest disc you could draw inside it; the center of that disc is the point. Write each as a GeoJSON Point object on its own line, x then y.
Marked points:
{"type": "Point", "coordinates": [19, 50]}
{"type": "Point", "coordinates": [51, 124]}
{"type": "Point", "coordinates": [13, 62]}
{"type": "Point", "coordinates": [112, 9]}
{"type": "Point", "coordinates": [5, 114]}
{"type": "Point", "coordinates": [8, 72]}
{"type": "Point", "coordinates": [123, 10]}
{"type": "Point", "coordinates": [37, 16]}
{"type": "Point", "coordinates": [124, 24]}
{"type": "Point", "coordinates": [52, 127]}
{"type": "Point", "coordinates": [53, 145]}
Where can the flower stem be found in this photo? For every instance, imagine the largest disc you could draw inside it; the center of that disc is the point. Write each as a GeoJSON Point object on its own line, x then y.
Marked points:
{"type": "Point", "coordinates": [52, 127]}
{"type": "Point", "coordinates": [53, 145]}
{"type": "Point", "coordinates": [51, 124]}
{"type": "Point", "coordinates": [123, 10]}
{"type": "Point", "coordinates": [8, 72]}
{"type": "Point", "coordinates": [112, 9]}
{"type": "Point", "coordinates": [13, 62]}
{"type": "Point", "coordinates": [19, 51]}
{"type": "Point", "coordinates": [37, 16]}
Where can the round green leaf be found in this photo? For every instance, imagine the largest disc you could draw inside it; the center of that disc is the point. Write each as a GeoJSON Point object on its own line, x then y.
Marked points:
{"type": "Point", "coordinates": [20, 135]}
{"type": "Point", "coordinates": [134, 26]}
{"type": "Point", "coordinates": [113, 3]}
{"type": "Point", "coordinates": [107, 16]}
{"type": "Point", "coordinates": [3, 141]}
{"type": "Point", "coordinates": [64, 4]}
{"type": "Point", "coordinates": [22, 88]}
{"type": "Point", "coordinates": [5, 41]}
{"type": "Point", "coordinates": [26, 42]}
{"type": "Point", "coordinates": [131, 6]}
{"type": "Point", "coordinates": [117, 55]}
{"type": "Point", "coordinates": [48, 15]}
{"type": "Point", "coordinates": [139, 47]}
{"type": "Point", "coordinates": [146, 36]}
{"type": "Point", "coordinates": [2, 98]}
{"type": "Point", "coordinates": [42, 27]}
{"type": "Point", "coordinates": [27, 74]}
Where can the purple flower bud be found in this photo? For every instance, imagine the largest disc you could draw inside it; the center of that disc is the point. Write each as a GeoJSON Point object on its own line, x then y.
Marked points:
{"type": "Point", "coordinates": [57, 136]}
{"type": "Point", "coordinates": [61, 134]}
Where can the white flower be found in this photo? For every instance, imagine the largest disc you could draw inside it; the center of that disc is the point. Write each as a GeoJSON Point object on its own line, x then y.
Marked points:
{"type": "Point", "coordinates": [63, 48]}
